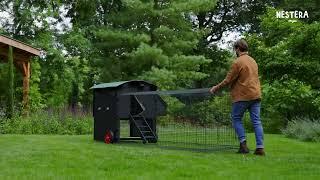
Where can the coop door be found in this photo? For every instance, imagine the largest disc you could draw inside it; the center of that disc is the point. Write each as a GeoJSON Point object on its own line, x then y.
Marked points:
{"type": "Point", "coordinates": [105, 115]}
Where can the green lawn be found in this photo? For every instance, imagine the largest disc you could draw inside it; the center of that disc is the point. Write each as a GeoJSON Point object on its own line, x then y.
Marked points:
{"type": "Point", "coordinates": [79, 157]}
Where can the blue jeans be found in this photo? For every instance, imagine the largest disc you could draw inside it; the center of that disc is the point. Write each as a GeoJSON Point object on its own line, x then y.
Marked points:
{"type": "Point", "coordinates": [238, 110]}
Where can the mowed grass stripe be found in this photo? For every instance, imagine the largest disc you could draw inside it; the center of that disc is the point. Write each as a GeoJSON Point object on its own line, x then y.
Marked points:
{"type": "Point", "coordinates": [79, 157]}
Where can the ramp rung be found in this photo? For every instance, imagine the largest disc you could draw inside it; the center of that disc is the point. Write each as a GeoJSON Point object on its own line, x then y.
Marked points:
{"type": "Point", "coordinates": [144, 128]}
{"type": "Point", "coordinates": [149, 137]}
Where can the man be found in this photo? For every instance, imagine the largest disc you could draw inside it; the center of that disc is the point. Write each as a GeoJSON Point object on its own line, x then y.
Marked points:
{"type": "Point", "coordinates": [244, 82]}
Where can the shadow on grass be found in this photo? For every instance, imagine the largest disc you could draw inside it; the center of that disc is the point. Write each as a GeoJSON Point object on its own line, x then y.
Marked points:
{"type": "Point", "coordinates": [192, 147]}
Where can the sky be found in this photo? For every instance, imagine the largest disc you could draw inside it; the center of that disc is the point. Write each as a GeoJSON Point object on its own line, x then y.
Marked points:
{"type": "Point", "coordinates": [4, 16]}
{"type": "Point", "coordinates": [228, 38]}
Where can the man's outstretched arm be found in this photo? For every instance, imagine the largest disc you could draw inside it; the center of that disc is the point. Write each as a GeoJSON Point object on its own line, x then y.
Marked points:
{"type": "Point", "coordinates": [231, 76]}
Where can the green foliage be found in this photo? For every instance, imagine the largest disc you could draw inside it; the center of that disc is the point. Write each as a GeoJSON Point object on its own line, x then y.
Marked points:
{"type": "Point", "coordinates": [165, 120]}
{"type": "Point", "coordinates": [146, 57]}
{"type": "Point", "coordinates": [35, 97]}
{"type": "Point", "coordinates": [217, 68]}
{"type": "Point", "coordinates": [108, 41]}
{"type": "Point", "coordinates": [174, 105]}
{"type": "Point", "coordinates": [303, 129]}
{"type": "Point", "coordinates": [284, 100]}
{"type": "Point", "coordinates": [287, 49]}
{"type": "Point", "coordinates": [182, 71]}
{"type": "Point", "coordinates": [272, 122]}
{"type": "Point", "coordinates": [289, 98]}
{"type": "Point", "coordinates": [203, 112]}
{"type": "Point", "coordinates": [3, 80]}
{"type": "Point", "coordinates": [289, 68]}
{"type": "Point", "coordinates": [170, 43]}
{"type": "Point", "coordinates": [10, 92]}
{"type": "Point", "coordinates": [206, 112]}
{"type": "Point", "coordinates": [76, 43]}
{"type": "Point", "coordinates": [36, 23]}
{"type": "Point", "coordinates": [58, 75]}
{"type": "Point", "coordinates": [48, 123]}
{"type": "Point", "coordinates": [310, 6]}
{"type": "Point", "coordinates": [30, 17]}
{"type": "Point", "coordinates": [150, 40]}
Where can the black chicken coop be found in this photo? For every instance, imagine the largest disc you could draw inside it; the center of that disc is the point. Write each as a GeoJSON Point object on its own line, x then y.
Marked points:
{"type": "Point", "coordinates": [110, 105]}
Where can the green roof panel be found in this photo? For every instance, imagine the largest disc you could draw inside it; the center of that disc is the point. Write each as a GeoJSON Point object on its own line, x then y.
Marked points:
{"type": "Point", "coordinates": [108, 85]}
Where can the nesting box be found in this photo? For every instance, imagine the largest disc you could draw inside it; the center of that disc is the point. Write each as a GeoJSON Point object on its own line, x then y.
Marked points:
{"type": "Point", "coordinates": [113, 102]}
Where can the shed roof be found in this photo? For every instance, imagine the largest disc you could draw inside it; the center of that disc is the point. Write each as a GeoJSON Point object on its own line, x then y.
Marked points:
{"type": "Point", "coordinates": [22, 50]}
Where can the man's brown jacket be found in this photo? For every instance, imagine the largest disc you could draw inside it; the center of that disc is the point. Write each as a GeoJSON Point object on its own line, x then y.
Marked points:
{"type": "Point", "coordinates": [243, 79]}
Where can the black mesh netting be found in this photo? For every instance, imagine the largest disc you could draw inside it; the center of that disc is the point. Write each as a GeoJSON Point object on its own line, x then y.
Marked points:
{"type": "Point", "coordinates": [193, 119]}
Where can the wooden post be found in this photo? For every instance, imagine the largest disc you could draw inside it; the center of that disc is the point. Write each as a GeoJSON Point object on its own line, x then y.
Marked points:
{"type": "Point", "coordinates": [21, 59]}
{"type": "Point", "coordinates": [26, 80]}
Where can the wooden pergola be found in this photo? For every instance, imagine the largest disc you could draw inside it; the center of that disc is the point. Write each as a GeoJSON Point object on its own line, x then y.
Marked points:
{"type": "Point", "coordinates": [22, 54]}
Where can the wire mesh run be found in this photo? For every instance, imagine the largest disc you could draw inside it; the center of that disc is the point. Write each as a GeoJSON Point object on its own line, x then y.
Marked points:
{"type": "Point", "coordinates": [197, 138]}
{"type": "Point", "coordinates": [197, 121]}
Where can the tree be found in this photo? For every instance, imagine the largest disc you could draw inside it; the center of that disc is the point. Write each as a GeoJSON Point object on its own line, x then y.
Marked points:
{"type": "Point", "coordinates": [230, 15]}
{"type": "Point", "coordinates": [311, 6]}
{"type": "Point", "coordinates": [10, 100]}
{"type": "Point", "coordinates": [142, 39]}
{"type": "Point", "coordinates": [285, 49]}
{"type": "Point", "coordinates": [40, 23]}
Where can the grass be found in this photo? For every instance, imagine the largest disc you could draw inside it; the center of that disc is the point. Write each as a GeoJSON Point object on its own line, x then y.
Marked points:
{"type": "Point", "coordinates": [79, 157]}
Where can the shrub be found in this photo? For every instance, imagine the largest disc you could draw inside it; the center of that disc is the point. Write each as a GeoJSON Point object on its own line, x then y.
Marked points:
{"type": "Point", "coordinates": [273, 123]}
{"type": "Point", "coordinates": [284, 100]}
{"type": "Point", "coordinates": [48, 123]}
{"type": "Point", "coordinates": [215, 110]}
{"type": "Point", "coordinates": [303, 129]}
{"type": "Point", "coordinates": [289, 98]}
{"type": "Point", "coordinates": [165, 120]}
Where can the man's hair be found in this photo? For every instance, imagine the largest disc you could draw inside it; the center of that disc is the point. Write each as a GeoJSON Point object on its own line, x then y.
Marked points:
{"type": "Point", "coordinates": [241, 44]}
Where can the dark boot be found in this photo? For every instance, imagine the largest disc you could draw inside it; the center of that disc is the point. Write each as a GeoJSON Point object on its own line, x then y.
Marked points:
{"type": "Point", "coordinates": [259, 152]}
{"type": "Point", "coordinates": [243, 148]}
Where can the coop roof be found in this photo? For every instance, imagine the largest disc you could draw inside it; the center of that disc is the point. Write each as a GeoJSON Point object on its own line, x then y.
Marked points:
{"type": "Point", "coordinates": [108, 85]}
{"type": "Point", "coordinates": [120, 83]}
